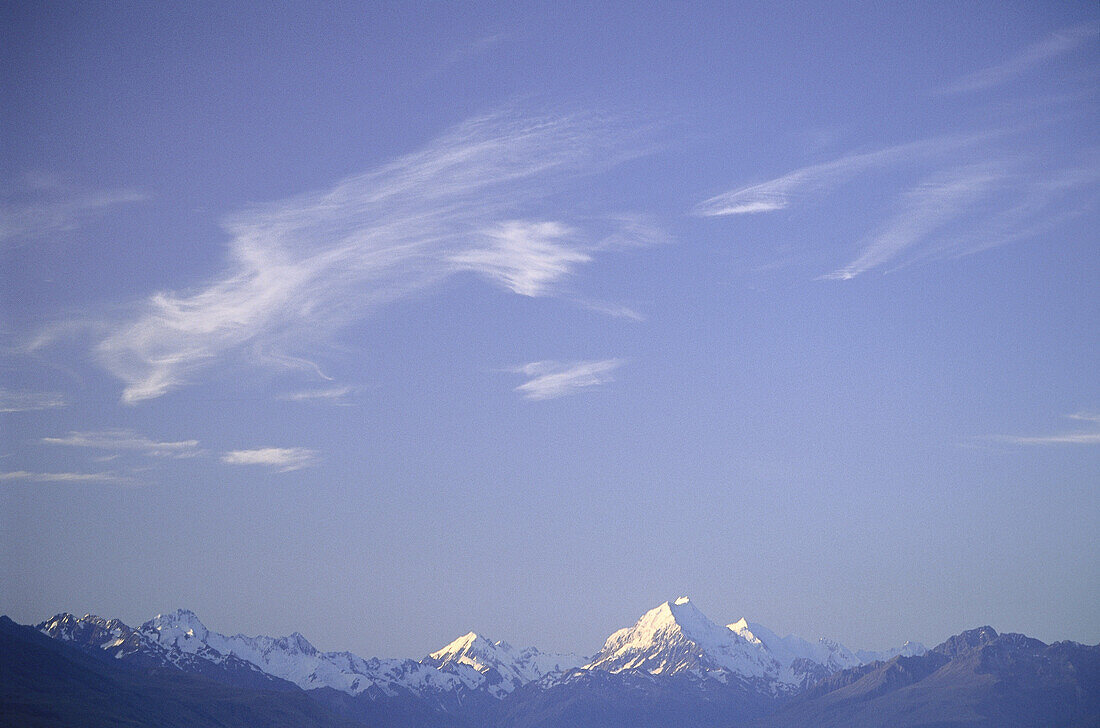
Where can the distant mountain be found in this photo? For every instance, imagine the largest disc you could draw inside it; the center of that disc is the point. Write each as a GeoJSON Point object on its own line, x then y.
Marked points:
{"type": "Point", "coordinates": [143, 647]}
{"type": "Point", "coordinates": [467, 676]}
{"type": "Point", "coordinates": [46, 683]}
{"type": "Point", "coordinates": [976, 679]}
{"type": "Point", "coordinates": [676, 638]}
{"type": "Point", "coordinates": [803, 663]}
{"type": "Point", "coordinates": [504, 667]}
{"type": "Point", "coordinates": [673, 667]}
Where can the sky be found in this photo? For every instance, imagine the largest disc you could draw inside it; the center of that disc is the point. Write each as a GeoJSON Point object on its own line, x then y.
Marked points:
{"type": "Point", "coordinates": [384, 322]}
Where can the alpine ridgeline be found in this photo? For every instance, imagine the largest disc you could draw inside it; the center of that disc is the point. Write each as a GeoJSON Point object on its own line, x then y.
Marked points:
{"type": "Point", "coordinates": [674, 666]}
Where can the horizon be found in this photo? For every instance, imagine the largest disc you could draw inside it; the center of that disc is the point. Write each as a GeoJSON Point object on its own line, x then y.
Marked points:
{"type": "Point", "coordinates": [382, 324]}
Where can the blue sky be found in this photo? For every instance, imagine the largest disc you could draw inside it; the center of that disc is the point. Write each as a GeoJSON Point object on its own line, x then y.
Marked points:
{"type": "Point", "coordinates": [384, 323]}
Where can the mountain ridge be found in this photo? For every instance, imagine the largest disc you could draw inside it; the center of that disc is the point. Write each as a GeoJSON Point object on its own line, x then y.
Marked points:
{"type": "Point", "coordinates": [673, 666]}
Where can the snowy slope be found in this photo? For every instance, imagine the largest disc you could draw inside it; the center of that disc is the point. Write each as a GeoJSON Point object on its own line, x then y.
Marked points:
{"type": "Point", "coordinates": [676, 637]}
{"type": "Point", "coordinates": [504, 667]}
{"type": "Point", "coordinates": [294, 659]}
{"type": "Point", "coordinates": [140, 648]}
{"type": "Point", "coordinates": [179, 639]}
{"type": "Point", "coordinates": [825, 652]}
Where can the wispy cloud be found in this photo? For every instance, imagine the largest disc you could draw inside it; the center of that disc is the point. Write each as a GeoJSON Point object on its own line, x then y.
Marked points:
{"type": "Point", "coordinates": [331, 395]}
{"type": "Point", "coordinates": [40, 218]}
{"type": "Point", "coordinates": [551, 379]}
{"type": "Point", "coordinates": [283, 459]}
{"type": "Point", "coordinates": [1058, 43]}
{"type": "Point", "coordinates": [524, 257]}
{"type": "Point", "coordinates": [1089, 436]}
{"type": "Point", "coordinates": [474, 49]}
{"type": "Point", "coordinates": [615, 310]}
{"type": "Point", "coordinates": [986, 196]}
{"type": "Point", "coordinates": [925, 208]}
{"type": "Point", "coordinates": [304, 267]}
{"type": "Point", "coordinates": [778, 193]}
{"type": "Point", "coordinates": [126, 440]}
{"type": "Point", "coordinates": [64, 477]}
{"type": "Point", "coordinates": [23, 401]}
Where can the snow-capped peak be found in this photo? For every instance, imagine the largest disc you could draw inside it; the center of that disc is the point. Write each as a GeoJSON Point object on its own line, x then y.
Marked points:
{"type": "Point", "coordinates": [676, 637]}
{"type": "Point", "coordinates": [504, 667]}
{"type": "Point", "coordinates": [181, 628]}
{"type": "Point", "coordinates": [465, 645]}
{"type": "Point", "coordinates": [670, 619]}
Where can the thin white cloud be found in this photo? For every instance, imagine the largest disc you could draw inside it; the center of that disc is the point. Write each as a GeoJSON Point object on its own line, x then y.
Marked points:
{"type": "Point", "coordinates": [993, 200]}
{"type": "Point", "coordinates": [1068, 438]}
{"type": "Point", "coordinates": [778, 193]}
{"type": "Point", "coordinates": [926, 208]}
{"type": "Point", "coordinates": [1058, 43]}
{"type": "Point", "coordinates": [64, 477]}
{"type": "Point", "coordinates": [526, 258]}
{"type": "Point", "coordinates": [1043, 202]}
{"type": "Point", "coordinates": [551, 379]}
{"type": "Point", "coordinates": [40, 218]}
{"type": "Point", "coordinates": [302, 268]}
{"type": "Point", "coordinates": [1080, 437]}
{"type": "Point", "coordinates": [283, 459]}
{"type": "Point", "coordinates": [126, 440]}
{"type": "Point", "coordinates": [615, 310]}
{"type": "Point", "coordinates": [334, 395]}
{"type": "Point", "coordinates": [24, 401]}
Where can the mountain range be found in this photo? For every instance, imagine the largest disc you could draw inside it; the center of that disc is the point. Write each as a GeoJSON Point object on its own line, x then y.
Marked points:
{"type": "Point", "coordinates": [673, 667]}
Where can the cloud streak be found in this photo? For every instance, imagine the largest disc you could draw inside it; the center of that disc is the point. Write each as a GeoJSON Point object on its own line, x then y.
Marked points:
{"type": "Point", "coordinates": [126, 440]}
{"type": "Point", "coordinates": [1057, 44]}
{"type": "Point", "coordinates": [333, 395]}
{"type": "Point", "coordinates": [22, 401]}
{"type": "Point", "coordinates": [1081, 437]}
{"type": "Point", "coordinates": [925, 208]}
{"type": "Point", "coordinates": [552, 379]}
{"type": "Point", "coordinates": [39, 219]}
{"type": "Point", "coordinates": [282, 459]}
{"type": "Point", "coordinates": [778, 193]}
{"type": "Point", "coordinates": [63, 477]}
{"type": "Point", "coordinates": [957, 208]}
{"type": "Point", "coordinates": [302, 268]}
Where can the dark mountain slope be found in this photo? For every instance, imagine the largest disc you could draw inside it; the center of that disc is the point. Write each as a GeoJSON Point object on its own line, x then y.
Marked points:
{"type": "Point", "coordinates": [597, 699]}
{"type": "Point", "coordinates": [977, 679]}
{"type": "Point", "coordinates": [44, 682]}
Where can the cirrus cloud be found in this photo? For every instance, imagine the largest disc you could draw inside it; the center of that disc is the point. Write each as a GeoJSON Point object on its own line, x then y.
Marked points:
{"type": "Point", "coordinates": [119, 440]}
{"type": "Point", "coordinates": [282, 459]}
{"type": "Point", "coordinates": [552, 379]}
{"type": "Point", "coordinates": [302, 268]}
{"type": "Point", "coordinates": [23, 401]}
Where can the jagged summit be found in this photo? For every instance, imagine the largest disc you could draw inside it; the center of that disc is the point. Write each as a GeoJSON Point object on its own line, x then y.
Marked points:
{"type": "Point", "coordinates": [503, 666]}
{"type": "Point", "coordinates": [676, 637]}
{"type": "Point", "coordinates": [467, 643]}
{"type": "Point", "coordinates": [966, 641]}
{"type": "Point", "coordinates": [180, 624]}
